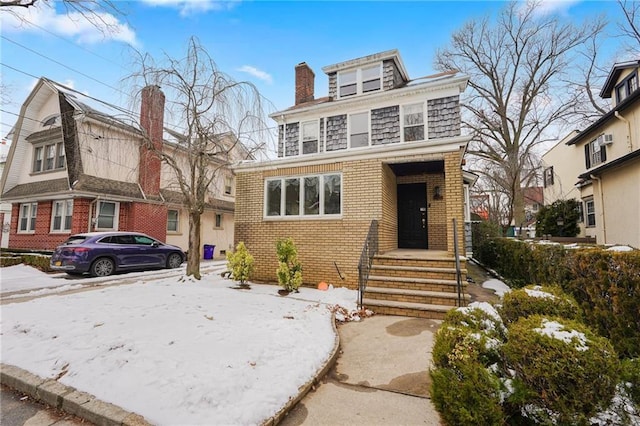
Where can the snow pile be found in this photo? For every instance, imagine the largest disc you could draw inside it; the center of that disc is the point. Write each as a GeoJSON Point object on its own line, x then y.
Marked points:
{"type": "Point", "coordinates": [620, 248]}
{"type": "Point", "coordinates": [537, 292]}
{"type": "Point", "coordinates": [499, 287]}
{"type": "Point", "coordinates": [557, 331]}
{"type": "Point", "coordinates": [176, 352]}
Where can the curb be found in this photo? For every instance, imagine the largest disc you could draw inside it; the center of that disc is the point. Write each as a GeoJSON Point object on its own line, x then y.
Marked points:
{"type": "Point", "coordinates": [306, 388]}
{"type": "Point", "coordinates": [68, 399]}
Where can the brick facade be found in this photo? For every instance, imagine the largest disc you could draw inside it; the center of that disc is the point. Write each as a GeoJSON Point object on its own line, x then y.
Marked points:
{"type": "Point", "coordinates": [369, 191]}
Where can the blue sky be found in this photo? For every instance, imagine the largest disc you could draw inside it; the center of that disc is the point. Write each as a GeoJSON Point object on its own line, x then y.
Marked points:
{"type": "Point", "coordinates": [259, 41]}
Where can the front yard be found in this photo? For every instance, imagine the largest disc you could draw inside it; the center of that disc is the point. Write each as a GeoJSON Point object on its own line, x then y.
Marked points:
{"type": "Point", "coordinates": [177, 352]}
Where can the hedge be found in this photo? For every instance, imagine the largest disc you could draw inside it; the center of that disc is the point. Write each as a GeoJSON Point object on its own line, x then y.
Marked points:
{"type": "Point", "coordinates": [605, 284]}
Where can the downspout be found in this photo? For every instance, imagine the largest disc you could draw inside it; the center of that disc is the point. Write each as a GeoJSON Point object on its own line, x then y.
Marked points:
{"type": "Point", "coordinates": [91, 209]}
{"type": "Point", "coordinates": [629, 139]}
{"type": "Point", "coordinates": [604, 222]}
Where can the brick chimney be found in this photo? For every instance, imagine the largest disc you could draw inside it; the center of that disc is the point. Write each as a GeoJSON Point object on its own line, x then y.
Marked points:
{"type": "Point", "coordinates": [304, 83]}
{"type": "Point", "coordinates": [152, 121]}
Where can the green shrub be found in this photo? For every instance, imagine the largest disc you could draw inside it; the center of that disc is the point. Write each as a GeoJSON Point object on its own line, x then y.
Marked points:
{"type": "Point", "coordinates": [240, 263]}
{"type": "Point", "coordinates": [630, 378]}
{"type": "Point", "coordinates": [467, 395]}
{"type": "Point", "coordinates": [38, 261]}
{"type": "Point", "coordinates": [550, 301]}
{"type": "Point", "coordinates": [10, 261]}
{"type": "Point", "coordinates": [606, 285]}
{"type": "Point", "coordinates": [566, 371]}
{"type": "Point", "coordinates": [289, 270]}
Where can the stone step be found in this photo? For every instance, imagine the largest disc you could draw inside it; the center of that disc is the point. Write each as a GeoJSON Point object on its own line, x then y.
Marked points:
{"type": "Point", "coordinates": [417, 271]}
{"type": "Point", "coordinates": [435, 262]}
{"type": "Point", "coordinates": [407, 309]}
{"type": "Point", "coordinates": [425, 284]}
{"type": "Point", "coordinates": [415, 296]}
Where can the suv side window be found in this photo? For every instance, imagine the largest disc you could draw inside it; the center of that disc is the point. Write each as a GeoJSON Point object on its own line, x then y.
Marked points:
{"type": "Point", "coordinates": [140, 239]}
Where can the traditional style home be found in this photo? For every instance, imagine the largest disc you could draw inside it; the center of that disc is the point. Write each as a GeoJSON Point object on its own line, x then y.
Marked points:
{"type": "Point", "coordinates": [600, 165]}
{"type": "Point", "coordinates": [77, 164]}
{"type": "Point", "coordinates": [370, 173]}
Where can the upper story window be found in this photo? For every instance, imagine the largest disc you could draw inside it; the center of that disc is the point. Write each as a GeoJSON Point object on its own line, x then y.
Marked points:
{"type": "Point", "coordinates": [548, 176]}
{"type": "Point", "coordinates": [51, 121]}
{"type": "Point", "coordinates": [595, 152]}
{"type": "Point", "coordinates": [361, 80]}
{"type": "Point", "coordinates": [359, 130]}
{"type": "Point", "coordinates": [309, 134]}
{"type": "Point", "coordinates": [48, 157]}
{"type": "Point", "coordinates": [626, 87]}
{"type": "Point", "coordinates": [228, 185]}
{"type": "Point", "coordinates": [413, 122]}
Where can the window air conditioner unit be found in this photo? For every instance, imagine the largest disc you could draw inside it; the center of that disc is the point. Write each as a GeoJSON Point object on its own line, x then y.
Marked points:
{"type": "Point", "coordinates": [606, 139]}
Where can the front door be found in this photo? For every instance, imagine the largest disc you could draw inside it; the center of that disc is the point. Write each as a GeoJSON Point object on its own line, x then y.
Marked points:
{"type": "Point", "coordinates": [412, 215]}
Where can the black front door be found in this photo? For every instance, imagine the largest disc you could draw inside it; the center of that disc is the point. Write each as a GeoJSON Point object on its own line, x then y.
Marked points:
{"type": "Point", "coordinates": [412, 215]}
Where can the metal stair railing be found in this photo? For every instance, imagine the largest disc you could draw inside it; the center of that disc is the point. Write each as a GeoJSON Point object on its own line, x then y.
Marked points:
{"type": "Point", "coordinates": [366, 259]}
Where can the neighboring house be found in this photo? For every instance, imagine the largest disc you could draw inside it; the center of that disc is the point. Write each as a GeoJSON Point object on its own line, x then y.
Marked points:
{"type": "Point", "coordinates": [600, 166]}
{"type": "Point", "coordinates": [381, 152]}
{"type": "Point", "coordinates": [5, 208]}
{"type": "Point", "coordinates": [77, 164]}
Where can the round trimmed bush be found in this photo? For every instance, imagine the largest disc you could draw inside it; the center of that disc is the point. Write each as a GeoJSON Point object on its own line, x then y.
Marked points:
{"type": "Point", "coordinates": [567, 372]}
{"type": "Point", "coordinates": [537, 300]}
{"type": "Point", "coordinates": [467, 395]}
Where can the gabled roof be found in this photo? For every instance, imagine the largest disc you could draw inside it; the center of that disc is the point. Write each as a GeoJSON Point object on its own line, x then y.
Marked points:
{"type": "Point", "coordinates": [365, 60]}
{"type": "Point", "coordinates": [627, 102]}
{"type": "Point", "coordinates": [615, 72]}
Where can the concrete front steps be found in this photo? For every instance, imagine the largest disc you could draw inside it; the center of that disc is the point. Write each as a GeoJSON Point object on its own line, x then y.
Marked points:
{"type": "Point", "coordinates": [415, 284]}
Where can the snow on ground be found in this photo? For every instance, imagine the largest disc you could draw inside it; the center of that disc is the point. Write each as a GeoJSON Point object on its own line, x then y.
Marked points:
{"type": "Point", "coordinates": [178, 353]}
{"type": "Point", "coordinates": [497, 286]}
{"type": "Point", "coordinates": [620, 248]}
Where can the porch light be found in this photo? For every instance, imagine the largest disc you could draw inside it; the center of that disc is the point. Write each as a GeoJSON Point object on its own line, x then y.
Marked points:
{"type": "Point", "coordinates": [437, 195]}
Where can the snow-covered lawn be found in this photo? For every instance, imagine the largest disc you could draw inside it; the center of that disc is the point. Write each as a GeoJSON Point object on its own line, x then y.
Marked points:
{"type": "Point", "coordinates": [499, 287]}
{"type": "Point", "coordinates": [178, 352]}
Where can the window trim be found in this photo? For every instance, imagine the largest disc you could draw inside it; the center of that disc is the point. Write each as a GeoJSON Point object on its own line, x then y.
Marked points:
{"type": "Point", "coordinates": [228, 183]}
{"type": "Point", "coordinates": [424, 121]}
{"type": "Point", "coordinates": [625, 85]}
{"type": "Point", "coordinates": [215, 221]}
{"type": "Point", "coordinates": [116, 216]}
{"type": "Point", "coordinates": [359, 80]}
{"type": "Point", "coordinates": [590, 152]}
{"type": "Point", "coordinates": [63, 229]}
{"type": "Point", "coordinates": [548, 176]}
{"type": "Point", "coordinates": [349, 116]}
{"type": "Point", "coordinates": [587, 202]}
{"type": "Point", "coordinates": [43, 148]}
{"type": "Point", "coordinates": [31, 218]}
{"type": "Point", "coordinates": [301, 198]}
{"type": "Point", "coordinates": [177, 221]}
{"type": "Point", "coordinates": [301, 136]}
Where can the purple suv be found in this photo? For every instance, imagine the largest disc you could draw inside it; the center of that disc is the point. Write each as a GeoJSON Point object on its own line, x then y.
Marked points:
{"type": "Point", "coordinates": [103, 253]}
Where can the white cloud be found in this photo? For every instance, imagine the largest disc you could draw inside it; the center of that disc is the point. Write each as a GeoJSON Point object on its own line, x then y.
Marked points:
{"type": "Point", "coordinates": [548, 7]}
{"type": "Point", "coordinates": [72, 24]}
{"type": "Point", "coordinates": [191, 7]}
{"type": "Point", "coordinates": [262, 75]}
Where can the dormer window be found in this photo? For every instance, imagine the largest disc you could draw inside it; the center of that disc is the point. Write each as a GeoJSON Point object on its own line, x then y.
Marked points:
{"type": "Point", "coordinates": [626, 87]}
{"type": "Point", "coordinates": [361, 80]}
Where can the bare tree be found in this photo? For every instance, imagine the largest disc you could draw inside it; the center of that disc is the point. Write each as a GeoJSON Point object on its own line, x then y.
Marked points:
{"type": "Point", "coordinates": [516, 66]}
{"type": "Point", "coordinates": [214, 117]}
{"type": "Point", "coordinates": [630, 27]}
{"type": "Point", "coordinates": [95, 12]}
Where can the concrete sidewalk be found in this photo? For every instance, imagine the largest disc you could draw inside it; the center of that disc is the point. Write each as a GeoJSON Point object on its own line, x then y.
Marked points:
{"type": "Point", "coordinates": [380, 378]}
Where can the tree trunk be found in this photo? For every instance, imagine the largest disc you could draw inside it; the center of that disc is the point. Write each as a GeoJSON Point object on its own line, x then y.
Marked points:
{"type": "Point", "coordinates": [193, 259]}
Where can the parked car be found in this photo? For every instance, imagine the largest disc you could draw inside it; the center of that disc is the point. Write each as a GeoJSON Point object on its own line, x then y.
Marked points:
{"type": "Point", "coordinates": [103, 253]}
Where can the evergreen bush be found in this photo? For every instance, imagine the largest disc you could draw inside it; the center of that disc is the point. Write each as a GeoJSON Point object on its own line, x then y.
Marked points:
{"type": "Point", "coordinates": [541, 300]}
{"type": "Point", "coordinates": [568, 373]}
{"type": "Point", "coordinates": [240, 263]}
{"type": "Point", "coordinates": [289, 270]}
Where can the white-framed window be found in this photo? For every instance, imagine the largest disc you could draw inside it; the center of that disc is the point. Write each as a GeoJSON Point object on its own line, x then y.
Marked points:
{"type": "Point", "coordinates": [626, 87]}
{"type": "Point", "coordinates": [304, 196]}
{"type": "Point", "coordinates": [48, 157]}
{"type": "Point", "coordinates": [360, 80]}
{"type": "Point", "coordinates": [413, 122]}
{"type": "Point", "coordinates": [61, 216]}
{"type": "Point", "coordinates": [309, 137]}
{"type": "Point", "coordinates": [27, 218]}
{"type": "Point", "coordinates": [359, 130]}
{"type": "Point", "coordinates": [218, 220]}
{"type": "Point", "coordinates": [107, 214]}
{"type": "Point", "coordinates": [548, 176]}
{"type": "Point", "coordinates": [595, 152]}
{"type": "Point", "coordinates": [590, 208]}
{"type": "Point", "coordinates": [228, 185]}
{"type": "Point", "coordinates": [173, 220]}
